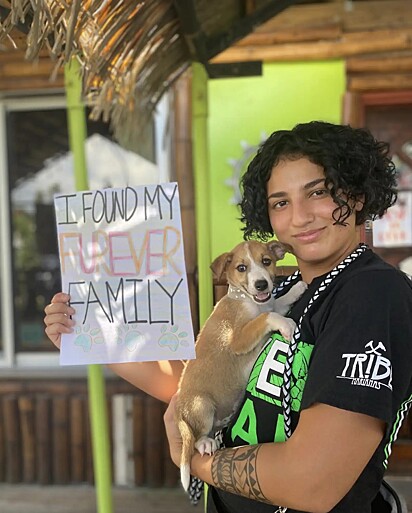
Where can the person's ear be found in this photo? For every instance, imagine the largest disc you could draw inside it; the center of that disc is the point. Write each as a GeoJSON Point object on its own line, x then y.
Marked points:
{"type": "Point", "coordinates": [360, 202]}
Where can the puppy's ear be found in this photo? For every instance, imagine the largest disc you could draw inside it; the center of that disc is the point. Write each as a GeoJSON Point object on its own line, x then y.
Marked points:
{"type": "Point", "coordinates": [278, 249]}
{"type": "Point", "coordinates": [219, 265]}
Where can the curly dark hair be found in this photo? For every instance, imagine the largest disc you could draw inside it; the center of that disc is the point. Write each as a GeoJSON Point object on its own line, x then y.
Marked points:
{"type": "Point", "coordinates": [355, 164]}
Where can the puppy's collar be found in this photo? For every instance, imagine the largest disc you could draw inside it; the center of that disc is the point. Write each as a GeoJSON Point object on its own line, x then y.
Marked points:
{"type": "Point", "coordinates": [236, 293]}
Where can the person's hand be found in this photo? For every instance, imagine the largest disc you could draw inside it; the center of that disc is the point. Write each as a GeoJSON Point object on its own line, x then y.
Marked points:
{"type": "Point", "coordinates": [172, 432]}
{"type": "Point", "coordinates": [57, 318]}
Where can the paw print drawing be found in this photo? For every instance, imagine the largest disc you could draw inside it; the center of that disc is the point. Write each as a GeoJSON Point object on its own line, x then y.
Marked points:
{"type": "Point", "coordinates": [86, 337]}
{"type": "Point", "coordinates": [130, 337]}
{"type": "Point", "coordinates": [171, 338]}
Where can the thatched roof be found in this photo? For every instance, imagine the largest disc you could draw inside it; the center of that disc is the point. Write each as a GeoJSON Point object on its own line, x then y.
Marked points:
{"type": "Point", "coordinates": [132, 51]}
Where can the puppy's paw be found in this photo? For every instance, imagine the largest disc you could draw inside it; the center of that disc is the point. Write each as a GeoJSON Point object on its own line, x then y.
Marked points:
{"type": "Point", "coordinates": [287, 328]}
{"type": "Point", "coordinates": [206, 445]}
{"type": "Point", "coordinates": [285, 325]}
{"type": "Point", "coordinates": [298, 289]}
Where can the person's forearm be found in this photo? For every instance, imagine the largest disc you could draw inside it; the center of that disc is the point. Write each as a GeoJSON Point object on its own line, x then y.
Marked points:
{"type": "Point", "coordinates": [258, 472]}
{"type": "Point", "coordinates": [158, 379]}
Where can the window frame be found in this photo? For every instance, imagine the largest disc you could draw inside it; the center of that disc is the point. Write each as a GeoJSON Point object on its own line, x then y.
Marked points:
{"type": "Point", "coordinates": [39, 360]}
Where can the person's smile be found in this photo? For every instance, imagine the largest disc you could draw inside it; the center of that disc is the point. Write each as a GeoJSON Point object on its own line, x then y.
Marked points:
{"type": "Point", "coordinates": [309, 236]}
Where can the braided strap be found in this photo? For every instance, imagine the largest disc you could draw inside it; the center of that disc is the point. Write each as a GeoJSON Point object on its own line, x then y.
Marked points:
{"type": "Point", "coordinates": [285, 283]}
{"type": "Point", "coordinates": [287, 376]}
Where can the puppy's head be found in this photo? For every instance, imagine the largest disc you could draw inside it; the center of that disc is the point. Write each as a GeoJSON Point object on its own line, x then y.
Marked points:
{"type": "Point", "coordinates": [251, 267]}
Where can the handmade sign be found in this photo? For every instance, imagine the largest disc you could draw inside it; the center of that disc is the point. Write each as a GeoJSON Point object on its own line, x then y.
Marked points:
{"type": "Point", "coordinates": [122, 262]}
{"type": "Point", "coordinates": [395, 227]}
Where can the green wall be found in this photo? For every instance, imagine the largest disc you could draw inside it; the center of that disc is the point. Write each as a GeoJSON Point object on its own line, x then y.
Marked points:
{"type": "Point", "coordinates": [241, 109]}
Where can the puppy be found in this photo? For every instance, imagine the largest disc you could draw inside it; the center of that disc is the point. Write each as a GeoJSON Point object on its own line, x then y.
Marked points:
{"type": "Point", "coordinates": [213, 384]}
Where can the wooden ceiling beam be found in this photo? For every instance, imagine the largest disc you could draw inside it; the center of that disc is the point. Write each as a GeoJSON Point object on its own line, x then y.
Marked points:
{"type": "Point", "coordinates": [203, 47]}
{"type": "Point", "coordinates": [381, 64]}
{"type": "Point", "coordinates": [348, 45]}
{"type": "Point", "coordinates": [365, 15]}
{"type": "Point", "coordinates": [332, 31]}
{"type": "Point", "coordinates": [379, 82]}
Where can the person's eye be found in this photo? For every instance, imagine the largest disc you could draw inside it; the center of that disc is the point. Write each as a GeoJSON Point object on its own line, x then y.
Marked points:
{"type": "Point", "coordinates": [241, 268]}
{"type": "Point", "coordinates": [278, 204]}
{"type": "Point", "coordinates": [320, 193]}
{"type": "Point", "coordinates": [266, 261]}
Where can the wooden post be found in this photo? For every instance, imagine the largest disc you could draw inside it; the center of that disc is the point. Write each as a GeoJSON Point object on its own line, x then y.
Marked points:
{"type": "Point", "coordinates": [12, 439]}
{"type": "Point", "coordinates": [43, 431]}
{"type": "Point", "coordinates": [201, 174]}
{"type": "Point", "coordinates": [154, 426]}
{"type": "Point", "coordinates": [183, 171]}
{"type": "Point", "coordinates": [77, 439]}
{"type": "Point", "coordinates": [60, 424]}
{"type": "Point", "coordinates": [26, 411]}
{"type": "Point", "coordinates": [138, 439]}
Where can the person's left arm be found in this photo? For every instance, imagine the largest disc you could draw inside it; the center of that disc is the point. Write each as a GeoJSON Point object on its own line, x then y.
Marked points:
{"type": "Point", "coordinates": [312, 471]}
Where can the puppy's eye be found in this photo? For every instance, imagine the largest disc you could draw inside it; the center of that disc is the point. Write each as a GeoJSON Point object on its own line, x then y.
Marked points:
{"type": "Point", "coordinates": [266, 261]}
{"type": "Point", "coordinates": [241, 268]}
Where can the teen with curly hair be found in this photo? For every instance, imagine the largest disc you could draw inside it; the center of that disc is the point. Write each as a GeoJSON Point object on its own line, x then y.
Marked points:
{"type": "Point", "coordinates": [319, 416]}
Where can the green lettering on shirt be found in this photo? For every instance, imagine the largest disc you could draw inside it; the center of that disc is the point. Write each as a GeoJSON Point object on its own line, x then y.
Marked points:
{"type": "Point", "coordinates": [245, 427]}
{"type": "Point", "coordinates": [266, 378]}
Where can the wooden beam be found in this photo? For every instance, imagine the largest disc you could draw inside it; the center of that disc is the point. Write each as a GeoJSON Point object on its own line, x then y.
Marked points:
{"type": "Point", "coordinates": [365, 15]}
{"type": "Point", "coordinates": [380, 82]}
{"type": "Point", "coordinates": [244, 26]}
{"type": "Point", "coordinates": [34, 83]}
{"type": "Point", "coordinates": [379, 64]}
{"type": "Point", "coordinates": [333, 31]}
{"type": "Point", "coordinates": [361, 43]}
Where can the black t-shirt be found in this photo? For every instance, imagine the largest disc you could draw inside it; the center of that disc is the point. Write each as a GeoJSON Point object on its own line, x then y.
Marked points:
{"type": "Point", "coordinates": [354, 353]}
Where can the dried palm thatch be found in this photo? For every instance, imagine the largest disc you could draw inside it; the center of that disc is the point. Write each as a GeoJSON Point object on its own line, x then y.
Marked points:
{"type": "Point", "coordinates": [130, 52]}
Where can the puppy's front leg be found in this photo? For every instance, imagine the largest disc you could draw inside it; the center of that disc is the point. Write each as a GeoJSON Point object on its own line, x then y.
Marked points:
{"type": "Point", "coordinates": [283, 304]}
{"type": "Point", "coordinates": [245, 339]}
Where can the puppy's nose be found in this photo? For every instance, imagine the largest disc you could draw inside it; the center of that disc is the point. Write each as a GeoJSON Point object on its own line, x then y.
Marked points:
{"type": "Point", "coordinates": [261, 285]}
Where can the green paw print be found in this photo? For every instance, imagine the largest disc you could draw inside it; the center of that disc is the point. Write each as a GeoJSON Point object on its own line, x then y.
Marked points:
{"type": "Point", "coordinates": [86, 337]}
{"type": "Point", "coordinates": [171, 338]}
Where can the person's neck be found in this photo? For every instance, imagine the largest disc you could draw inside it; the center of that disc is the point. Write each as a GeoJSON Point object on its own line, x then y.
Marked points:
{"type": "Point", "coordinates": [311, 270]}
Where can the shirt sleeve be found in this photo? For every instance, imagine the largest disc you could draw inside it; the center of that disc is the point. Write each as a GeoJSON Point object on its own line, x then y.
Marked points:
{"type": "Point", "coordinates": [363, 349]}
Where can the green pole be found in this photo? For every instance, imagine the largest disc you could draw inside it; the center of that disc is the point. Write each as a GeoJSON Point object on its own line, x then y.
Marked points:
{"type": "Point", "coordinates": [201, 181]}
{"type": "Point", "coordinates": [97, 397]}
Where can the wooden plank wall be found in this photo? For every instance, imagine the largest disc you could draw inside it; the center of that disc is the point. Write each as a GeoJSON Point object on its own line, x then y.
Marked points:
{"type": "Point", "coordinates": [45, 433]}
{"type": "Point", "coordinates": [22, 76]}
{"type": "Point", "coordinates": [373, 36]}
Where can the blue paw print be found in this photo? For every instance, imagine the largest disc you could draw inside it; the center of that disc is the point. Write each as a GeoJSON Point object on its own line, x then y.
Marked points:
{"type": "Point", "coordinates": [171, 338]}
{"type": "Point", "coordinates": [130, 337]}
{"type": "Point", "coordinates": [86, 337]}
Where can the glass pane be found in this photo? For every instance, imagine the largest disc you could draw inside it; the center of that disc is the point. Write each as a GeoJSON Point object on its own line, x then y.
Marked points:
{"type": "Point", "coordinates": [34, 138]}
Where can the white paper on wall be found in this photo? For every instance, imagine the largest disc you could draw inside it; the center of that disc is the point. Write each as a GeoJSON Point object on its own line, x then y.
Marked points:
{"type": "Point", "coordinates": [122, 262]}
{"type": "Point", "coordinates": [395, 227]}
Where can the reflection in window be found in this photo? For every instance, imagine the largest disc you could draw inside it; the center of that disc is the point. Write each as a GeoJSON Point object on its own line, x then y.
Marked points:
{"type": "Point", "coordinates": [37, 140]}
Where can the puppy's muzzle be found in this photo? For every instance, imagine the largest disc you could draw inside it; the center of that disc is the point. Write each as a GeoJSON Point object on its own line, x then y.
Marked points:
{"type": "Point", "coordinates": [263, 295]}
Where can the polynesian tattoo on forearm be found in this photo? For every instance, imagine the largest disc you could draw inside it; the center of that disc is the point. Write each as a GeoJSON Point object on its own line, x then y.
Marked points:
{"type": "Point", "coordinates": [234, 471]}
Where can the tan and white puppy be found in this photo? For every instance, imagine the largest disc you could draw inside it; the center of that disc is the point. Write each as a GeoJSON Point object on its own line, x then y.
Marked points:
{"type": "Point", "coordinates": [212, 385]}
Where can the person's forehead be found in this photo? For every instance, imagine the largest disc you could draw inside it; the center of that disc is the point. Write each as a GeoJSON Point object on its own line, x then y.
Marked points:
{"type": "Point", "coordinates": [290, 173]}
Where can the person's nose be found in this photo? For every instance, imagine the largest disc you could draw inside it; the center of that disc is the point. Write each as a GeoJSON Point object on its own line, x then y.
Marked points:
{"type": "Point", "coordinates": [302, 215]}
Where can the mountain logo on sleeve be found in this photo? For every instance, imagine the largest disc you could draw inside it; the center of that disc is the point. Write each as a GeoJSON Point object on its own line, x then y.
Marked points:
{"type": "Point", "coordinates": [368, 369]}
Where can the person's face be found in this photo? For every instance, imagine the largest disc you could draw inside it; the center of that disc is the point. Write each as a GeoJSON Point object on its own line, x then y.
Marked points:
{"type": "Point", "coordinates": [300, 211]}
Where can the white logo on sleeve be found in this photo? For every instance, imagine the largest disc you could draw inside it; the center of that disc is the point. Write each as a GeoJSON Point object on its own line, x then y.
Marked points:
{"type": "Point", "coordinates": [368, 369]}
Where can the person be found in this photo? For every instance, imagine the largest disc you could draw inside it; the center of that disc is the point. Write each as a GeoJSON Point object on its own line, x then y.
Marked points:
{"type": "Point", "coordinates": [319, 416]}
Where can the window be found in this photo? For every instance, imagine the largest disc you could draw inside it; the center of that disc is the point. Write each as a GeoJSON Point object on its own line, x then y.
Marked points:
{"type": "Point", "coordinates": [35, 165]}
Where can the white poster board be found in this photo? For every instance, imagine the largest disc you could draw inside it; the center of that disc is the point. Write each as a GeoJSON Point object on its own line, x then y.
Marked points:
{"type": "Point", "coordinates": [122, 262]}
{"type": "Point", "coordinates": [395, 227]}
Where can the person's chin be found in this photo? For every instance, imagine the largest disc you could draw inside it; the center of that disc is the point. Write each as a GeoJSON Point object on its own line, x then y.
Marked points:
{"type": "Point", "coordinates": [315, 251]}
